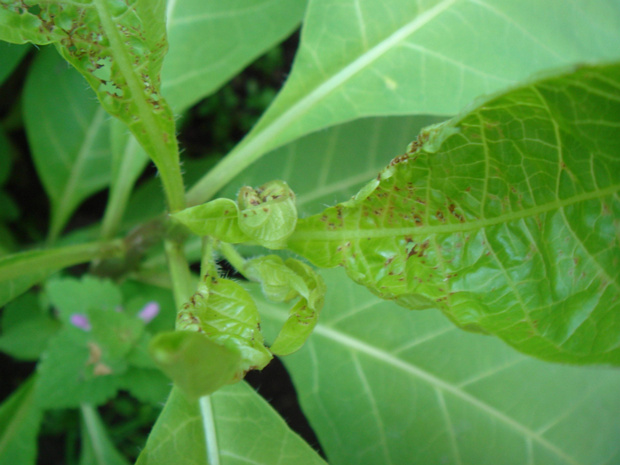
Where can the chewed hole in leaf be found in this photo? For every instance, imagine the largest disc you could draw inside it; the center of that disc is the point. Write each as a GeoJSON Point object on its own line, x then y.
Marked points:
{"type": "Point", "coordinates": [103, 69]}
{"type": "Point", "coordinates": [111, 89]}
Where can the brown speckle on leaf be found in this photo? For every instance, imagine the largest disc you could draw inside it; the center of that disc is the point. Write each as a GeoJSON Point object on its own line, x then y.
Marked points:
{"type": "Point", "coordinates": [399, 159]}
{"type": "Point", "coordinates": [94, 352]}
{"type": "Point", "coordinates": [101, 369]}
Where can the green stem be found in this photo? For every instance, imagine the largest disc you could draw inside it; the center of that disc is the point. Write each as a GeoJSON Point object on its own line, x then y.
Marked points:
{"type": "Point", "coordinates": [179, 272]}
{"type": "Point", "coordinates": [172, 180]}
{"type": "Point", "coordinates": [207, 263]}
{"type": "Point", "coordinates": [132, 164]}
{"type": "Point", "coordinates": [41, 261]}
{"type": "Point", "coordinates": [234, 258]}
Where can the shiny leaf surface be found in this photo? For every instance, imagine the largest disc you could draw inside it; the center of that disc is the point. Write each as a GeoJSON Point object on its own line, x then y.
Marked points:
{"type": "Point", "coordinates": [211, 41]}
{"type": "Point", "coordinates": [382, 384]}
{"type": "Point", "coordinates": [216, 429]}
{"type": "Point", "coordinates": [505, 218]}
{"type": "Point", "coordinates": [330, 166]}
{"type": "Point", "coordinates": [427, 57]}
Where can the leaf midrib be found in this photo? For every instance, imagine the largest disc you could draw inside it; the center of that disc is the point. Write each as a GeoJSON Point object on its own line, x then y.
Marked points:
{"type": "Point", "coordinates": [357, 345]}
{"type": "Point", "coordinates": [76, 174]}
{"type": "Point", "coordinates": [356, 233]}
{"type": "Point", "coordinates": [260, 140]}
{"type": "Point", "coordinates": [210, 431]}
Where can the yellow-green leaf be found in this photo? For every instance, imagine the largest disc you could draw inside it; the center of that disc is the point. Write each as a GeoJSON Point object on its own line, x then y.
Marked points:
{"type": "Point", "coordinates": [505, 218]}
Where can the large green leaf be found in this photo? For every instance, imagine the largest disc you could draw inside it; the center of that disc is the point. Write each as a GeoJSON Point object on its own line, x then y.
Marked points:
{"type": "Point", "coordinates": [428, 57]}
{"type": "Point", "coordinates": [511, 227]}
{"type": "Point", "coordinates": [234, 426]}
{"type": "Point", "coordinates": [20, 420]}
{"type": "Point", "coordinates": [330, 166]}
{"type": "Point", "coordinates": [68, 133]}
{"type": "Point", "coordinates": [119, 49]}
{"type": "Point", "coordinates": [384, 385]}
{"type": "Point", "coordinates": [211, 41]}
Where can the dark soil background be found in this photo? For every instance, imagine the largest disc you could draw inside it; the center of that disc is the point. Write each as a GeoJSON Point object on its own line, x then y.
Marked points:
{"type": "Point", "coordinates": [211, 128]}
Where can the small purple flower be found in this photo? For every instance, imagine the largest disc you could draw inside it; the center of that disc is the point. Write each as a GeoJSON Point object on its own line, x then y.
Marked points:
{"type": "Point", "coordinates": [150, 311]}
{"type": "Point", "coordinates": [80, 321]}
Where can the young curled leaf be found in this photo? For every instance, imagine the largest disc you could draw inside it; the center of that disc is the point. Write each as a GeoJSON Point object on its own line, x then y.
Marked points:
{"type": "Point", "coordinates": [278, 281]}
{"type": "Point", "coordinates": [197, 364]}
{"type": "Point", "coordinates": [282, 281]}
{"type": "Point", "coordinates": [268, 214]}
{"type": "Point", "coordinates": [265, 216]}
{"type": "Point", "coordinates": [225, 314]}
{"type": "Point", "coordinates": [218, 219]}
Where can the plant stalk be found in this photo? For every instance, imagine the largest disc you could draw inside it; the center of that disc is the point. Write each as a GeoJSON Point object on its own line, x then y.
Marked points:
{"type": "Point", "coordinates": [234, 258]}
{"type": "Point", "coordinates": [207, 264]}
{"type": "Point", "coordinates": [179, 272]}
{"type": "Point", "coordinates": [47, 260]}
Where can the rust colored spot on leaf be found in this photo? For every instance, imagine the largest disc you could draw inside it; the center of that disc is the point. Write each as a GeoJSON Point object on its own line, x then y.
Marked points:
{"type": "Point", "coordinates": [94, 353]}
{"type": "Point", "coordinates": [399, 159]}
{"type": "Point", "coordinates": [101, 369]}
